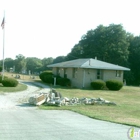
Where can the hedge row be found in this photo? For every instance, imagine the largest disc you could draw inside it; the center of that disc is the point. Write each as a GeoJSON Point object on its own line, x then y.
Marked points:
{"type": "Point", "coordinates": [110, 84]}
{"type": "Point", "coordinates": [48, 77]}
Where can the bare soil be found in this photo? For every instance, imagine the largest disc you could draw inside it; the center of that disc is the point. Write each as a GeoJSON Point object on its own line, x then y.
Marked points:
{"type": "Point", "coordinates": [19, 100]}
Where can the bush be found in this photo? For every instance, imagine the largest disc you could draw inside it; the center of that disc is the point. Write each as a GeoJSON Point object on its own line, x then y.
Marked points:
{"type": "Point", "coordinates": [98, 84]}
{"type": "Point", "coordinates": [9, 82]}
{"type": "Point", "coordinates": [1, 78]}
{"type": "Point", "coordinates": [43, 75]}
{"type": "Point", "coordinates": [48, 79]}
{"type": "Point", "coordinates": [57, 79]}
{"type": "Point", "coordinates": [114, 84]}
{"type": "Point", "coordinates": [63, 81]}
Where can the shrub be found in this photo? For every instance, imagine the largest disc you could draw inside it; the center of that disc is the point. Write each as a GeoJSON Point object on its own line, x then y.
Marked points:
{"type": "Point", "coordinates": [48, 79]}
{"type": "Point", "coordinates": [58, 79]}
{"type": "Point", "coordinates": [98, 84]}
{"type": "Point", "coordinates": [114, 84]}
{"type": "Point", "coordinates": [63, 81]}
{"type": "Point", "coordinates": [43, 75]}
{"type": "Point", "coordinates": [9, 82]}
{"type": "Point", "coordinates": [1, 78]}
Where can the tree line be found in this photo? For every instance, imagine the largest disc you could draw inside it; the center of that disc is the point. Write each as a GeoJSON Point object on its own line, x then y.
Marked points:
{"type": "Point", "coordinates": [110, 43]}
{"type": "Point", "coordinates": [33, 64]}
{"type": "Point", "coordinates": [23, 65]}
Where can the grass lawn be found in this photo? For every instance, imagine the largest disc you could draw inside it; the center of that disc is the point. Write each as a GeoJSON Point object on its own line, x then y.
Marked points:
{"type": "Point", "coordinates": [22, 76]}
{"type": "Point", "coordinates": [20, 87]}
{"type": "Point", "coordinates": [127, 110]}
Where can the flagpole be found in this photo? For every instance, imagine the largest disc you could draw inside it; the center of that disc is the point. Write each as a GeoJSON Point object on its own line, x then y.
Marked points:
{"type": "Point", "coordinates": [3, 46]}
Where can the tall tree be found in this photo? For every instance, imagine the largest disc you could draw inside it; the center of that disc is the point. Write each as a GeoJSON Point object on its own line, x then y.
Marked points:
{"type": "Point", "coordinates": [76, 52]}
{"type": "Point", "coordinates": [59, 59]}
{"type": "Point", "coordinates": [8, 63]}
{"type": "Point", "coordinates": [33, 64]}
{"type": "Point", "coordinates": [45, 62]}
{"type": "Point", "coordinates": [0, 69]}
{"type": "Point", "coordinates": [134, 60]}
{"type": "Point", "coordinates": [107, 43]}
{"type": "Point", "coordinates": [20, 63]}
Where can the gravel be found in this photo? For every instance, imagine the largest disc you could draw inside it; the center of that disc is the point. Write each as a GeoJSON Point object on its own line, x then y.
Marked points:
{"type": "Point", "coordinates": [19, 100]}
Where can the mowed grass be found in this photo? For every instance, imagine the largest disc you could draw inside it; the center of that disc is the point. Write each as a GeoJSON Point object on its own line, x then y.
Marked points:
{"type": "Point", "coordinates": [127, 99]}
{"type": "Point", "coordinates": [22, 76]}
{"type": "Point", "coordinates": [20, 87]}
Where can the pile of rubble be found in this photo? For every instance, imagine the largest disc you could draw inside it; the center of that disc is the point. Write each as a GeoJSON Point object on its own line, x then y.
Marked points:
{"type": "Point", "coordinates": [55, 99]}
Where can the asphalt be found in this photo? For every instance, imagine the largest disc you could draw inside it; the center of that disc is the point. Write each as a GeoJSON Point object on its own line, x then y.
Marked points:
{"type": "Point", "coordinates": [19, 121]}
{"type": "Point", "coordinates": [31, 124]}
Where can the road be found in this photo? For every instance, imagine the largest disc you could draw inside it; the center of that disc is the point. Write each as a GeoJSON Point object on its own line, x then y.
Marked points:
{"type": "Point", "coordinates": [19, 121]}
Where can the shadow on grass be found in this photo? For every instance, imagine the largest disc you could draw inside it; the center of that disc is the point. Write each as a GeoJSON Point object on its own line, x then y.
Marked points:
{"type": "Point", "coordinates": [67, 87]}
{"type": "Point", "coordinates": [32, 83]}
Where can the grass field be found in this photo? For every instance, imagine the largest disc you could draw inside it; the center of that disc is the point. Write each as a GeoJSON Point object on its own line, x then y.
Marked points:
{"type": "Point", "coordinates": [22, 76]}
{"type": "Point", "coordinates": [20, 87]}
{"type": "Point", "coordinates": [127, 99]}
{"type": "Point", "coordinates": [127, 110]}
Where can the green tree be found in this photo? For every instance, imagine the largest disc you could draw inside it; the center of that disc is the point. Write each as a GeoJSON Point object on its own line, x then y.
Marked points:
{"type": "Point", "coordinates": [1, 62]}
{"type": "Point", "coordinates": [8, 63]}
{"type": "Point", "coordinates": [76, 52]}
{"type": "Point", "coordinates": [20, 63]}
{"type": "Point", "coordinates": [0, 69]}
{"type": "Point", "coordinates": [45, 62]}
{"type": "Point", "coordinates": [134, 60]}
{"type": "Point", "coordinates": [59, 59]}
{"type": "Point", "coordinates": [107, 43]}
{"type": "Point", "coordinates": [33, 64]}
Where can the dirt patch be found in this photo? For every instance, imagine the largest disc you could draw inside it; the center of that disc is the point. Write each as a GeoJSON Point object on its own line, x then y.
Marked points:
{"type": "Point", "coordinates": [19, 100]}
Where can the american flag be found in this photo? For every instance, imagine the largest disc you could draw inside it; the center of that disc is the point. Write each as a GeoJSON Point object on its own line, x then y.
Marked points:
{"type": "Point", "coordinates": [2, 24]}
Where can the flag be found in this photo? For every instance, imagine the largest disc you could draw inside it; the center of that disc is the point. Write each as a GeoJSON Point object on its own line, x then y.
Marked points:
{"type": "Point", "coordinates": [2, 24]}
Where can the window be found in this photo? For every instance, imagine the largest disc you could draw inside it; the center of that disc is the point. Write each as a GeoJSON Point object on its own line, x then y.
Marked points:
{"type": "Point", "coordinates": [98, 74]}
{"type": "Point", "coordinates": [118, 73]}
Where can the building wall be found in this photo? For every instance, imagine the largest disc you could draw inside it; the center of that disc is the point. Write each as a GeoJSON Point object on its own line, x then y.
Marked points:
{"type": "Point", "coordinates": [77, 78]}
{"type": "Point", "coordinates": [111, 74]}
{"type": "Point", "coordinates": [83, 77]}
{"type": "Point", "coordinates": [54, 71]}
{"type": "Point", "coordinates": [90, 75]}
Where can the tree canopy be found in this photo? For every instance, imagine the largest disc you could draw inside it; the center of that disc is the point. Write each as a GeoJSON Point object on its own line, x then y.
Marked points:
{"type": "Point", "coordinates": [107, 43]}
{"type": "Point", "coordinates": [20, 64]}
{"type": "Point", "coordinates": [111, 44]}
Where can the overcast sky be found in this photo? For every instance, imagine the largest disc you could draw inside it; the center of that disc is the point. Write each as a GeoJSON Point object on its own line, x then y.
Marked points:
{"type": "Point", "coordinates": [50, 28]}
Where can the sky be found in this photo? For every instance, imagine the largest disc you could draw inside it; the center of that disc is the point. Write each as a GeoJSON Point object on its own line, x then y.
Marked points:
{"type": "Point", "coordinates": [50, 28]}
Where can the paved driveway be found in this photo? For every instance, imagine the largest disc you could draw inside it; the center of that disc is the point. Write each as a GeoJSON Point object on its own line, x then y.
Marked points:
{"type": "Point", "coordinates": [24, 122]}
{"type": "Point", "coordinates": [30, 124]}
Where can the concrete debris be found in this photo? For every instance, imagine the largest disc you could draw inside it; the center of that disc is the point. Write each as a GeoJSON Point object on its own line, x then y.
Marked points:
{"type": "Point", "coordinates": [55, 98]}
{"type": "Point", "coordinates": [37, 99]}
